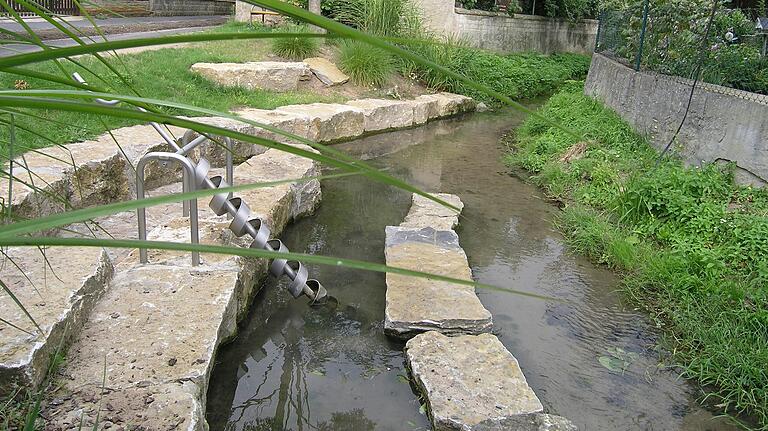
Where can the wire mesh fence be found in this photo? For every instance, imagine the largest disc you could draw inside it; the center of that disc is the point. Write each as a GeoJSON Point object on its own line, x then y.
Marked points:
{"type": "Point", "coordinates": [663, 37]}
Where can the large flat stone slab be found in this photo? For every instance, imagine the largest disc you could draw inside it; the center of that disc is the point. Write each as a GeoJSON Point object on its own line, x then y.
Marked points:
{"type": "Point", "coordinates": [428, 213]}
{"type": "Point", "coordinates": [468, 379]}
{"type": "Point", "coordinates": [447, 104]}
{"type": "Point", "coordinates": [87, 173]}
{"type": "Point", "coordinates": [426, 242]}
{"type": "Point", "coordinates": [329, 121]}
{"type": "Point", "coordinates": [159, 325]}
{"type": "Point", "coordinates": [326, 71]}
{"type": "Point", "coordinates": [527, 422]}
{"type": "Point", "coordinates": [263, 75]}
{"type": "Point", "coordinates": [383, 114]}
{"type": "Point", "coordinates": [66, 283]}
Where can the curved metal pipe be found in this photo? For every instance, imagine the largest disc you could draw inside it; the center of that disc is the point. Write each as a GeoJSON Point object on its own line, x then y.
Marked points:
{"type": "Point", "coordinates": [189, 175]}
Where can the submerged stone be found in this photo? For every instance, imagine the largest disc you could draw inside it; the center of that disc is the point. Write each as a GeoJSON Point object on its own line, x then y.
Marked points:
{"type": "Point", "coordinates": [528, 422]}
{"type": "Point", "coordinates": [468, 379]}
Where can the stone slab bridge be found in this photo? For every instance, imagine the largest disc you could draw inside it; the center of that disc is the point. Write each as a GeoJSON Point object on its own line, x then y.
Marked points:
{"type": "Point", "coordinates": [140, 339]}
{"type": "Point", "coordinates": [466, 377]}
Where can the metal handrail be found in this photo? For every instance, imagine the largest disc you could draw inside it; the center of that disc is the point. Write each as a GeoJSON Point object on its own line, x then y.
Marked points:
{"type": "Point", "coordinates": [188, 181]}
{"type": "Point", "coordinates": [196, 176]}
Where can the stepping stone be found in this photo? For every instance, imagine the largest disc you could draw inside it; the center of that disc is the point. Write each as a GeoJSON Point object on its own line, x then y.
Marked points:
{"type": "Point", "coordinates": [264, 75]}
{"type": "Point", "coordinates": [326, 71]}
{"type": "Point", "coordinates": [468, 379]}
{"type": "Point", "coordinates": [329, 121]}
{"type": "Point", "coordinates": [381, 114]}
{"type": "Point", "coordinates": [425, 242]}
{"type": "Point", "coordinates": [428, 213]}
{"type": "Point", "coordinates": [158, 358]}
{"type": "Point", "coordinates": [529, 422]}
{"type": "Point", "coordinates": [67, 283]}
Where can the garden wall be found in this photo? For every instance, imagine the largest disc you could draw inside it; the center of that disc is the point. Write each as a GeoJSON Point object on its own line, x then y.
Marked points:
{"type": "Point", "coordinates": [723, 124]}
{"type": "Point", "coordinates": [191, 7]}
{"type": "Point", "coordinates": [504, 33]}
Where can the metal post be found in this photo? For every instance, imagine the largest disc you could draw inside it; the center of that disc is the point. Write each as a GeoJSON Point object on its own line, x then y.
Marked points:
{"type": "Point", "coordinates": [642, 36]}
{"type": "Point", "coordinates": [189, 175]}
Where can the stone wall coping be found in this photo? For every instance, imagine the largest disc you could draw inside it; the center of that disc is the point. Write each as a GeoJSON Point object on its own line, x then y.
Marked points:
{"type": "Point", "coordinates": [485, 13]}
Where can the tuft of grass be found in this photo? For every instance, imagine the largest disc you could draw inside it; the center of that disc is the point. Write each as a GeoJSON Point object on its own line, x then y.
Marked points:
{"type": "Point", "coordinates": [365, 64]}
{"type": "Point", "coordinates": [692, 245]}
{"type": "Point", "coordinates": [295, 48]}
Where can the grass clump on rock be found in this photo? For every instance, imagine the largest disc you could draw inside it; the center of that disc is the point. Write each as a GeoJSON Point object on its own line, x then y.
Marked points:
{"type": "Point", "coordinates": [365, 64]}
{"type": "Point", "coordinates": [295, 48]}
{"type": "Point", "coordinates": [692, 244]}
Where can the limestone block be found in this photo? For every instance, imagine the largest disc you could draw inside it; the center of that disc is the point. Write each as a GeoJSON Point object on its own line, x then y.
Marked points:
{"type": "Point", "coordinates": [428, 213]}
{"type": "Point", "coordinates": [449, 104]}
{"type": "Point", "coordinates": [326, 71]}
{"type": "Point", "coordinates": [415, 305]}
{"type": "Point", "coordinates": [265, 75]}
{"type": "Point", "coordinates": [65, 284]}
{"type": "Point", "coordinates": [296, 124]}
{"type": "Point", "coordinates": [382, 114]}
{"type": "Point", "coordinates": [527, 422]}
{"type": "Point", "coordinates": [468, 379]}
{"type": "Point", "coordinates": [425, 109]}
{"type": "Point", "coordinates": [329, 121]}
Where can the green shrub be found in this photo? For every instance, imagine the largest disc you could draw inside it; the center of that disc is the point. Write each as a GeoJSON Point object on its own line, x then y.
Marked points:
{"type": "Point", "coordinates": [394, 18]}
{"type": "Point", "coordinates": [365, 64]}
{"type": "Point", "coordinates": [693, 246]}
{"type": "Point", "coordinates": [295, 48]}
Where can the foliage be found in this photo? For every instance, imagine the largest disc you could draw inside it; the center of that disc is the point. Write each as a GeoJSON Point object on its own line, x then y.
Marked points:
{"type": "Point", "coordinates": [164, 74]}
{"type": "Point", "coordinates": [295, 48]}
{"type": "Point", "coordinates": [673, 41]}
{"type": "Point", "coordinates": [366, 65]}
{"type": "Point", "coordinates": [692, 244]}
{"type": "Point", "coordinates": [568, 9]}
{"type": "Point", "coordinates": [392, 18]}
{"type": "Point", "coordinates": [514, 75]}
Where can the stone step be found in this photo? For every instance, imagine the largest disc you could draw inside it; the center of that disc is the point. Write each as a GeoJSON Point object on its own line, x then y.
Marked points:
{"type": "Point", "coordinates": [263, 75]}
{"type": "Point", "coordinates": [159, 324]}
{"type": "Point", "coordinates": [468, 379]}
{"type": "Point", "coordinates": [426, 242]}
{"type": "Point", "coordinates": [58, 286]}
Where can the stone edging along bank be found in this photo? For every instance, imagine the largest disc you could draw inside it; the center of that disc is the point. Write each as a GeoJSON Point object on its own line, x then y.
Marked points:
{"type": "Point", "coordinates": [103, 303]}
{"type": "Point", "coordinates": [468, 379]}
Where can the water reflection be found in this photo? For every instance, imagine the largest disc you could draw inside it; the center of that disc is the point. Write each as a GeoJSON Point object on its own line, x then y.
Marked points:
{"type": "Point", "coordinates": [589, 358]}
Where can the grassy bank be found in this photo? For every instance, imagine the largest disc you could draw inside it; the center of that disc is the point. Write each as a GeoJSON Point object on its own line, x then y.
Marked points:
{"type": "Point", "coordinates": [161, 74]}
{"type": "Point", "coordinates": [692, 245]}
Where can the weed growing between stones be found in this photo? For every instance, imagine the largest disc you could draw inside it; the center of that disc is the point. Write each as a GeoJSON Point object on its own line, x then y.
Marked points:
{"type": "Point", "coordinates": [693, 246]}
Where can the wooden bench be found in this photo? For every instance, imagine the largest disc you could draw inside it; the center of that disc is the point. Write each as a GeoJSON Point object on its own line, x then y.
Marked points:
{"type": "Point", "coordinates": [259, 11]}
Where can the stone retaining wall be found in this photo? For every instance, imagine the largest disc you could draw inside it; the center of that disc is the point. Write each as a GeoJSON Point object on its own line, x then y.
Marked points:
{"type": "Point", "coordinates": [191, 7]}
{"type": "Point", "coordinates": [504, 33]}
{"type": "Point", "coordinates": [723, 124]}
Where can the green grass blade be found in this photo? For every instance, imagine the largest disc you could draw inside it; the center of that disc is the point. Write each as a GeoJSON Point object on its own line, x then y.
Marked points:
{"type": "Point", "coordinates": [249, 252]}
{"type": "Point", "coordinates": [69, 217]}
{"type": "Point", "coordinates": [20, 305]}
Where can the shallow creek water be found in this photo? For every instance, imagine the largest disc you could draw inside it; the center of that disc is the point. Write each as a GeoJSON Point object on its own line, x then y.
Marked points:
{"type": "Point", "coordinates": [297, 368]}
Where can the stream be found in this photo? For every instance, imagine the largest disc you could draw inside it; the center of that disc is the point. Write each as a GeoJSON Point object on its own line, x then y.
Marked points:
{"type": "Point", "coordinates": [293, 367]}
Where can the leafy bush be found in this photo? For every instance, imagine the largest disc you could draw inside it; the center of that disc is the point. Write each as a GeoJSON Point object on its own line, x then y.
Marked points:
{"type": "Point", "coordinates": [365, 64]}
{"type": "Point", "coordinates": [514, 75]}
{"type": "Point", "coordinates": [295, 48]}
{"type": "Point", "coordinates": [673, 42]}
{"type": "Point", "coordinates": [692, 244]}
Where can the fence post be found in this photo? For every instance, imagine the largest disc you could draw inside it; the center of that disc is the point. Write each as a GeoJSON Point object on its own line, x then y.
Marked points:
{"type": "Point", "coordinates": [600, 18]}
{"type": "Point", "coordinates": [639, 58]}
